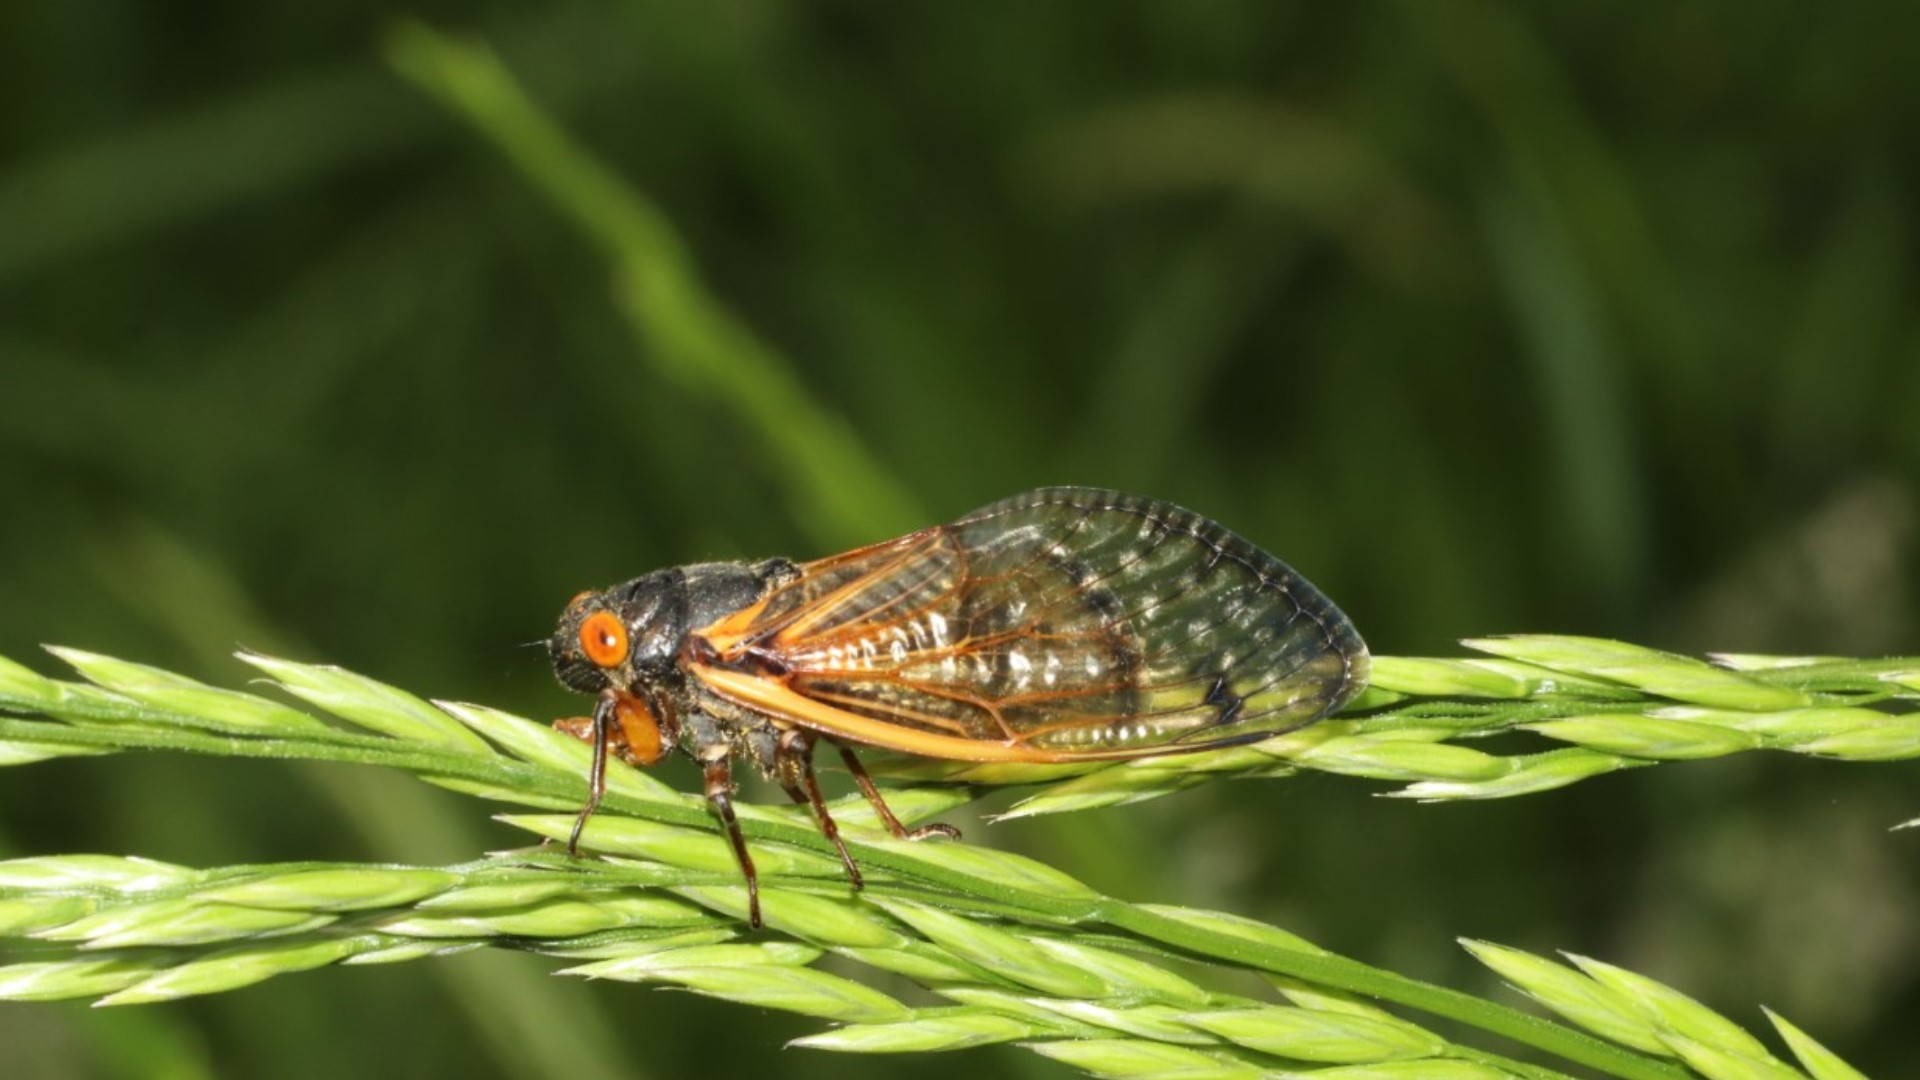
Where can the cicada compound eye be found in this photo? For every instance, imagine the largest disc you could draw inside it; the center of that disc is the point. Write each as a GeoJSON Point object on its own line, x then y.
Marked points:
{"type": "Point", "coordinates": [603, 638]}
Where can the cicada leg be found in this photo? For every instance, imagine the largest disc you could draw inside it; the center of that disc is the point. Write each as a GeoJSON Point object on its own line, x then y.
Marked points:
{"type": "Point", "coordinates": [627, 728]}
{"type": "Point", "coordinates": [880, 806]}
{"type": "Point", "coordinates": [597, 775]}
{"type": "Point", "coordinates": [719, 786]}
{"type": "Point", "coordinates": [793, 763]}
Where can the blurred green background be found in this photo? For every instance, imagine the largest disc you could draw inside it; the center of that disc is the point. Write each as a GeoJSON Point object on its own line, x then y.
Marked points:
{"type": "Point", "coordinates": [1592, 319]}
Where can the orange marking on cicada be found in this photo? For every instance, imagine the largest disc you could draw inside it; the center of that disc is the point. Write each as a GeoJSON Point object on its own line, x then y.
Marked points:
{"type": "Point", "coordinates": [645, 742]}
{"type": "Point", "coordinates": [636, 736]}
{"type": "Point", "coordinates": [915, 715]}
{"type": "Point", "coordinates": [779, 701]}
{"type": "Point", "coordinates": [729, 636]}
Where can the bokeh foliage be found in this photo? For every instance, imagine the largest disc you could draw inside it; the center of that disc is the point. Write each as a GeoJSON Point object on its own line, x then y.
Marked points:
{"type": "Point", "coordinates": [1592, 320]}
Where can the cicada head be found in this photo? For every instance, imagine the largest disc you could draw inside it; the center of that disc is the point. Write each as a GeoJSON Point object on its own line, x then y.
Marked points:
{"type": "Point", "coordinates": [625, 637]}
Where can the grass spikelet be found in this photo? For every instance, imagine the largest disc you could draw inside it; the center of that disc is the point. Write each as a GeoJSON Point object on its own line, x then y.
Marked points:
{"type": "Point", "coordinates": [1321, 1036]}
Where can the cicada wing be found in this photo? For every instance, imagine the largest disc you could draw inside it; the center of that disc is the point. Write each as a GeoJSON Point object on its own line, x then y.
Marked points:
{"type": "Point", "coordinates": [1062, 624]}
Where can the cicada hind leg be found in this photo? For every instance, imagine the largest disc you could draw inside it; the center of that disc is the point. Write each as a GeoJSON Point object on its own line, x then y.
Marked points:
{"type": "Point", "coordinates": [793, 767]}
{"type": "Point", "coordinates": [793, 764]}
{"type": "Point", "coordinates": [880, 806]}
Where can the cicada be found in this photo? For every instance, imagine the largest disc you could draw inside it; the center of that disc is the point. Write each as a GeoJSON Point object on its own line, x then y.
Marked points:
{"type": "Point", "coordinates": [1063, 625]}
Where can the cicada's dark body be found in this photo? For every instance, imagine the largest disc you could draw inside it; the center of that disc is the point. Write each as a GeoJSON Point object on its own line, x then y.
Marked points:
{"type": "Point", "coordinates": [1066, 624]}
